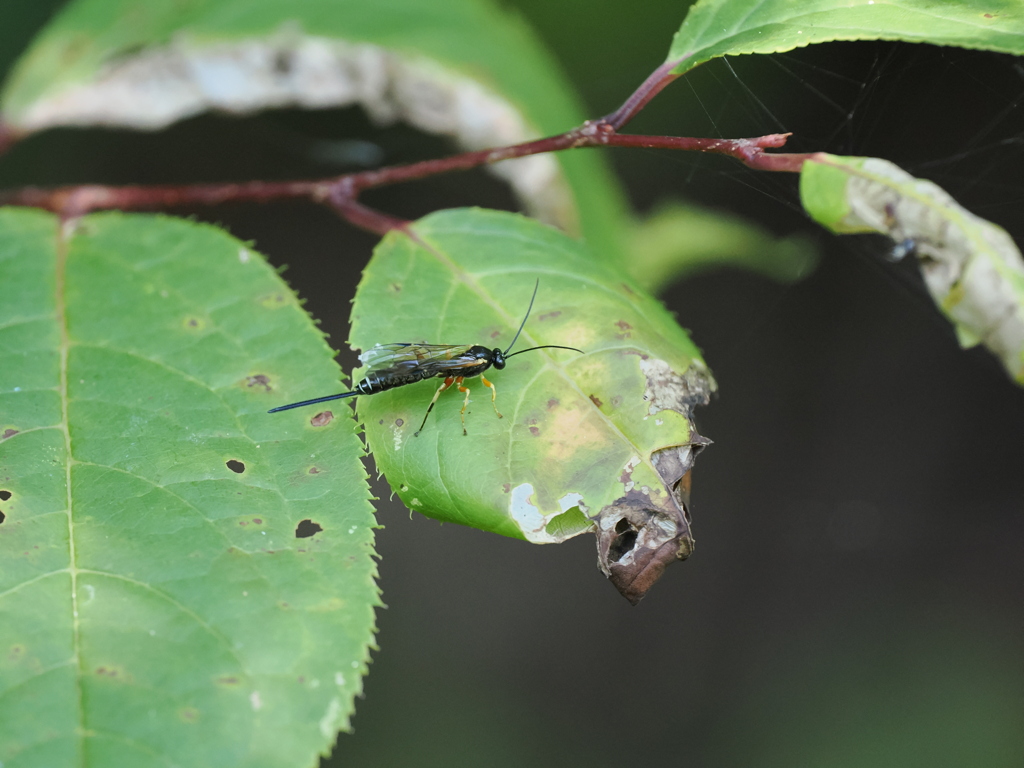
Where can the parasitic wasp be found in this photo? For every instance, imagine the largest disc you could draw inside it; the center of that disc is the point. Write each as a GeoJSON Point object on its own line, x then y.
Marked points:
{"type": "Point", "coordinates": [395, 365]}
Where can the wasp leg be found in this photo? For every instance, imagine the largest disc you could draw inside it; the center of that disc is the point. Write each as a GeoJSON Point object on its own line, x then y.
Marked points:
{"type": "Point", "coordinates": [494, 394]}
{"type": "Point", "coordinates": [447, 383]}
{"type": "Point", "coordinates": [465, 403]}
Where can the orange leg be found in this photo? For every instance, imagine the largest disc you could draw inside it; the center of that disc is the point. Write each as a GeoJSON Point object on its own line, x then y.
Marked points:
{"type": "Point", "coordinates": [447, 383]}
{"type": "Point", "coordinates": [494, 394]}
{"type": "Point", "coordinates": [465, 403]}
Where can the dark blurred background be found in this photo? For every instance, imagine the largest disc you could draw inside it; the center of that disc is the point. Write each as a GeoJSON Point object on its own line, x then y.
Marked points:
{"type": "Point", "coordinates": [857, 593]}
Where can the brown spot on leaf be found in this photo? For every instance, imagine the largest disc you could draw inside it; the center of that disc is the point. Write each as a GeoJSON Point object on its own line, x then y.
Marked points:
{"type": "Point", "coordinates": [506, 487]}
{"type": "Point", "coordinates": [622, 325]}
{"type": "Point", "coordinates": [314, 471]}
{"type": "Point", "coordinates": [534, 431]}
{"type": "Point", "coordinates": [616, 401]}
{"type": "Point", "coordinates": [258, 380]}
{"type": "Point", "coordinates": [257, 521]}
{"type": "Point", "coordinates": [399, 422]}
{"type": "Point", "coordinates": [549, 315]}
{"type": "Point", "coordinates": [395, 287]}
{"type": "Point", "coordinates": [9, 433]}
{"type": "Point", "coordinates": [228, 680]}
{"type": "Point", "coordinates": [189, 714]}
{"type": "Point", "coordinates": [322, 419]}
{"type": "Point", "coordinates": [596, 400]}
{"type": "Point", "coordinates": [553, 403]}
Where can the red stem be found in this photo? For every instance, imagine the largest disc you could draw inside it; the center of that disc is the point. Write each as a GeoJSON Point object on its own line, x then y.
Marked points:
{"type": "Point", "coordinates": [648, 89]}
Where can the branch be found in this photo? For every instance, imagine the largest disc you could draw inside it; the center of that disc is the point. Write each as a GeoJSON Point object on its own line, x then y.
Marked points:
{"type": "Point", "coordinates": [341, 193]}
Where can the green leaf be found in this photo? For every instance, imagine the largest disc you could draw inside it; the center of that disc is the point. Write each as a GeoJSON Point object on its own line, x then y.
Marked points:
{"type": "Point", "coordinates": [586, 442]}
{"type": "Point", "coordinates": [679, 240]}
{"type": "Point", "coordinates": [972, 267]}
{"type": "Point", "coordinates": [462, 68]}
{"type": "Point", "coordinates": [156, 606]}
{"type": "Point", "coordinates": [714, 28]}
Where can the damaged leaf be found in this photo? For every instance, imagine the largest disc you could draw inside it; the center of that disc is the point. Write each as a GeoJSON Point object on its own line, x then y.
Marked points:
{"type": "Point", "coordinates": [163, 598]}
{"type": "Point", "coordinates": [601, 441]}
{"type": "Point", "coordinates": [972, 267]}
{"type": "Point", "coordinates": [464, 69]}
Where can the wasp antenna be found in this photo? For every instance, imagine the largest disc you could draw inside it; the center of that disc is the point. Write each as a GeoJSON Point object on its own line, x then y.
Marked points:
{"type": "Point", "coordinates": [312, 402]}
{"type": "Point", "coordinates": [545, 346]}
{"type": "Point", "coordinates": [523, 324]}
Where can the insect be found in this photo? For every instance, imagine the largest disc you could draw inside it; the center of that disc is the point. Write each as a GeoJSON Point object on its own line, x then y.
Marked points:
{"type": "Point", "coordinates": [395, 365]}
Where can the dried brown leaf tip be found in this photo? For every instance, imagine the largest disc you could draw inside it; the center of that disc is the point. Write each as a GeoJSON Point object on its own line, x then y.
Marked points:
{"type": "Point", "coordinates": [641, 533]}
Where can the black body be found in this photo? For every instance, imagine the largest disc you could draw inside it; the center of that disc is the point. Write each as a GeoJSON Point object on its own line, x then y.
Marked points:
{"type": "Point", "coordinates": [395, 365]}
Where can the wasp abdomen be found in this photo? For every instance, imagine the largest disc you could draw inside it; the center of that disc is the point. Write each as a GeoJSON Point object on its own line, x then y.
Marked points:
{"type": "Point", "coordinates": [375, 382]}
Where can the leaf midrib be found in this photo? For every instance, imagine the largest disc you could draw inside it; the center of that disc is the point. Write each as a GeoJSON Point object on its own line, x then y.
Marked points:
{"type": "Point", "coordinates": [60, 304]}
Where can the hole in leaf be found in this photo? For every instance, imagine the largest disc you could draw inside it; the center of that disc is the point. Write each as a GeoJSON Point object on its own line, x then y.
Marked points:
{"type": "Point", "coordinates": [235, 466]}
{"type": "Point", "coordinates": [2, 516]}
{"type": "Point", "coordinates": [307, 528]}
{"type": "Point", "coordinates": [623, 542]}
{"type": "Point", "coordinates": [5, 495]}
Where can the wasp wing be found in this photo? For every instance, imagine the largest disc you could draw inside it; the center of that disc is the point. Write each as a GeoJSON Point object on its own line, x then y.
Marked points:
{"type": "Point", "coordinates": [405, 357]}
